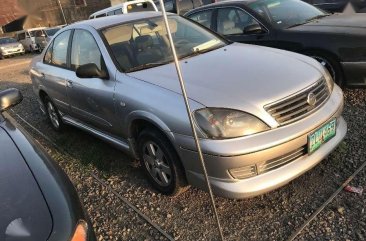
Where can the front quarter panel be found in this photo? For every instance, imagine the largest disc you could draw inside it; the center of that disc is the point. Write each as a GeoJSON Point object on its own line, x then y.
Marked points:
{"type": "Point", "coordinates": [137, 99]}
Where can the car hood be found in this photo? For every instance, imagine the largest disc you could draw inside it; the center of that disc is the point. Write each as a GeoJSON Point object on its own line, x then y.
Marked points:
{"type": "Point", "coordinates": [24, 212]}
{"type": "Point", "coordinates": [238, 76]}
{"type": "Point", "coordinates": [337, 23]}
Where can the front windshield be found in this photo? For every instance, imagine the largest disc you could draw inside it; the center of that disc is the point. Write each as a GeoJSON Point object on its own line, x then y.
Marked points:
{"type": "Point", "coordinates": [7, 40]}
{"type": "Point", "coordinates": [286, 13]}
{"type": "Point", "coordinates": [144, 43]}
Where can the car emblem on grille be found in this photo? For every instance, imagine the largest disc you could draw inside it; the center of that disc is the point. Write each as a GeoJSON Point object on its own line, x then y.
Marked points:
{"type": "Point", "coordinates": [311, 99]}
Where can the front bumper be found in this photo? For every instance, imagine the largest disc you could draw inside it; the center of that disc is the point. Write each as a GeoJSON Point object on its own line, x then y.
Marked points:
{"type": "Point", "coordinates": [223, 155]}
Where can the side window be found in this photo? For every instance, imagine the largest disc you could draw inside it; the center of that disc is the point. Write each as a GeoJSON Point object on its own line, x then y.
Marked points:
{"type": "Point", "coordinates": [118, 11]}
{"type": "Point", "coordinates": [59, 50]}
{"type": "Point", "coordinates": [101, 15]}
{"type": "Point", "coordinates": [203, 18]}
{"type": "Point", "coordinates": [48, 56]}
{"type": "Point", "coordinates": [111, 13]}
{"type": "Point", "coordinates": [233, 21]}
{"type": "Point", "coordinates": [85, 50]}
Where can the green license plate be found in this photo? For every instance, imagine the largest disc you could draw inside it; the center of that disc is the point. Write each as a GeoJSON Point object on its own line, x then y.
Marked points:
{"type": "Point", "coordinates": [321, 135]}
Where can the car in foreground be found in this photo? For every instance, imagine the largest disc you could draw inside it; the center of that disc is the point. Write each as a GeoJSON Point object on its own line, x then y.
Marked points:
{"type": "Point", "coordinates": [10, 47]}
{"type": "Point", "coordinates": [38, 201]}
{"type": "Point", "coordinates": [264, 116]}
{"type": "Point", "coordinates": [337, 41]}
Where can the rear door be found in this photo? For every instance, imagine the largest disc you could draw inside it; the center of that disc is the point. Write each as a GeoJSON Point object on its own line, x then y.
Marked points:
{"type": "Point", "coordinates": [55, 70]}
{"type": "Point", "coordinates": [91, 99]}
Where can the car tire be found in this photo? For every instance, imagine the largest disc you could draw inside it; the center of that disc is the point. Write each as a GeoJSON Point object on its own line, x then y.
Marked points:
{"type": "Point", "coordinates": [161, 163]}
{"type": "Point", "coordinates": [53, 114]}
{"type": "Point", "coordinates": [332, 65]}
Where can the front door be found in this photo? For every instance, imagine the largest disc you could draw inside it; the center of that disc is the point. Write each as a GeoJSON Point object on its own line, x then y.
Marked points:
{"type": "Point", "coordinates": [239, 26]}
{"type": "Point", "coordinates": [91, 99]}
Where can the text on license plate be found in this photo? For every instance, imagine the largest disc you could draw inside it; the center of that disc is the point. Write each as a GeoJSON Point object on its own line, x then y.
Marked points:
{"type": "Point", "coordinates": [321, 135]}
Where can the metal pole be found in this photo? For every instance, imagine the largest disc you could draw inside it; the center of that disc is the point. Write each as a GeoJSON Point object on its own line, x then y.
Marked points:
{"type": "Point", "coordinates": [62, 11]}
{"type": "Point", "coordinates": [188, 108]}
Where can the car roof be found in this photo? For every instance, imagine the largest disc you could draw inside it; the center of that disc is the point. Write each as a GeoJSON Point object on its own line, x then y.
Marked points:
{"type": "Point", "coordinates": [99, 23]}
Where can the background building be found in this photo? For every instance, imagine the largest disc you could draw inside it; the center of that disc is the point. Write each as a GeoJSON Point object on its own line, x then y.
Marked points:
{"type": "Point", "coordinates": [45, 12]}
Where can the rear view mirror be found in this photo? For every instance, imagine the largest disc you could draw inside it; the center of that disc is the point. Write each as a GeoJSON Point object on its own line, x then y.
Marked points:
{"type": "Point", "coordinates": [253, 29]}
{"type": "Point", "coordinates": [10, 98]}
{"type": "Point", "coordinates": [90, 71]}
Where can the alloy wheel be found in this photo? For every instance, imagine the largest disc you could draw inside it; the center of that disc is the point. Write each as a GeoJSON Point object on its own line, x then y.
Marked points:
{"type": "Point", "coordinates": [156, 163]}
{"type": "Point", "coordinates": [53, 115]}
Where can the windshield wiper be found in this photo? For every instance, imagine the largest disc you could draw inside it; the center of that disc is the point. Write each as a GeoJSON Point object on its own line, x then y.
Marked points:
{"type": "Point", "coordinates": [146, 66]}
{"type": "Point", "coordinates": [309, 20]}
{"type": "Point", "coordinates": [198, 52]}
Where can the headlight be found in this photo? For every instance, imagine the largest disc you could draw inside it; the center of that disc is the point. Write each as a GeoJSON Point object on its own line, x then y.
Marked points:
{"type": "Point", "coordinates": [20, 46]}
{"type": "Point", "coordinates": [218, 123]}
{"type": "Point", "coordinates": [2, 48]}
{"type": "Point", "coordinates": [329, 79]}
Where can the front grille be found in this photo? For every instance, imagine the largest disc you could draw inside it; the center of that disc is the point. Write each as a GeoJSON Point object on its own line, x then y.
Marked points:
{"type": "Point", "coordinates": [280, 161]}
{"type": "Point", "coordinates": [297, 106]}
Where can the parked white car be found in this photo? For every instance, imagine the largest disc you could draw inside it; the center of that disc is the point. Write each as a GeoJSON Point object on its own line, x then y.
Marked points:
{"type": "Point", "coordinates": [27, 38]}
{"type": "Point", "coordinates": [127, 7]}
{"type": "Point", "coordinates": [10, 47]}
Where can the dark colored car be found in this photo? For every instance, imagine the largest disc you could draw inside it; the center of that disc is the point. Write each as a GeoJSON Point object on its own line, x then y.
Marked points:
{"type": "Point", "coordinates": [37, 201]}
{"type": "Point", "coordinates": [358, 6]}
{"type": "Point", "coordinates": [337, 41]}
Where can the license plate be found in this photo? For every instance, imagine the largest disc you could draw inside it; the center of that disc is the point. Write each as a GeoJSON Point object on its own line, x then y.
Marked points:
{"type": "Point", "coordinates": [321, 135]}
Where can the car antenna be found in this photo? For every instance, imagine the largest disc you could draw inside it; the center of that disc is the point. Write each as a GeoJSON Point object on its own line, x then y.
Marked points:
{"type": "Point", "coordinates": [188, 109]}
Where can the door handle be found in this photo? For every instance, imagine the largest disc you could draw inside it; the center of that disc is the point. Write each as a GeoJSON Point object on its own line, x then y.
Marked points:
{"type": "Point", "coordinates": [69, 83]}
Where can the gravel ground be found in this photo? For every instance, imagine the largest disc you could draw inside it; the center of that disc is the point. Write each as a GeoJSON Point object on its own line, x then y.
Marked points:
{"type": "Point", "coordinates": [273, 216]}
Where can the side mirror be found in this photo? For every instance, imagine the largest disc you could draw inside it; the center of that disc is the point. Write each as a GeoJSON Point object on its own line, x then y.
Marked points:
{"type": "Point", "coordinates": [90, 71]}
{"type": "Point", "coordinates": [253, 29]}
{"type": "Point", "coordinates": [10, 98]}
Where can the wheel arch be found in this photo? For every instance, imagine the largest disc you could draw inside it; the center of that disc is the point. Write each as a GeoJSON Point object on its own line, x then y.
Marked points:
{"type": "Point", "coordinates": [326, 53]}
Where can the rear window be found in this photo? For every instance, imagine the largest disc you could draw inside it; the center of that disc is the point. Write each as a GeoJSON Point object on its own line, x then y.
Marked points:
{"type": "Point", "coordinates": [140, 7]}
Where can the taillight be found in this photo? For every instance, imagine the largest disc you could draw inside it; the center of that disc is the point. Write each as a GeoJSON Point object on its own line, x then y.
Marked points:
{"type": "Point", "coordinates": [81, 232]}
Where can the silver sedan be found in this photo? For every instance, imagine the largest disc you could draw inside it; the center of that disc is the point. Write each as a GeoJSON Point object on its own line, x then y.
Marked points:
{"type": "Point", "coordinates": [264, 116]}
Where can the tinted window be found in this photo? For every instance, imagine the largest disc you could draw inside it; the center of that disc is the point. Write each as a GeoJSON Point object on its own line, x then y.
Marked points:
{"type": "Point", "coordinates": [85, 50]}
{"type": "Point", "coordinates": [286, 13]}
{"type": "Point", "coordinates": [59, 52]}
{"type": "Point", "coordinates": [101, 15]}
{"type": "Point", "coordinates": [233, 21]}
{"type": "Point", "coordinates": [203, 18]}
